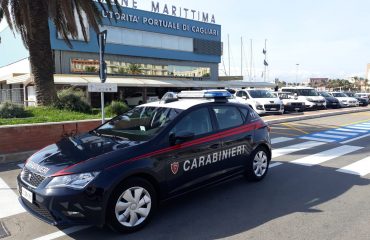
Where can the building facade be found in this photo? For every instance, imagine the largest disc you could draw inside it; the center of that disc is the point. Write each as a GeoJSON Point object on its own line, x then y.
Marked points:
{"type": "Point", "coordinates": [140, 44]}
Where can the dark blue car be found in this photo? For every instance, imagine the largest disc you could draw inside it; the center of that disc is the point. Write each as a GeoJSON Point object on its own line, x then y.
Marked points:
{"type": "Point", "coordinates": [118, 173]}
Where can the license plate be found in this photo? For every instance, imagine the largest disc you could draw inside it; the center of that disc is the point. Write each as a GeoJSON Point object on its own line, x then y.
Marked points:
{"type": "Point", "coordinates": [27, 195]}
{"type": "Point", "coordinates": [273, 109]}
{"type": "Point", "coordinates": [296, 109]}
{"type": "Point", "coordinates": [319, 104]}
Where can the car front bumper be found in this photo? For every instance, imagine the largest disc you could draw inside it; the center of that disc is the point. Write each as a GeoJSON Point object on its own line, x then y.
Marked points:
{"type": "Point", "coordinates": [63, 206]}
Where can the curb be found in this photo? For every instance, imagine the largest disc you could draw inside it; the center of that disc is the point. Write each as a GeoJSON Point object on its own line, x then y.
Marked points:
{"type": "Point", "coordinates": [319, 115]}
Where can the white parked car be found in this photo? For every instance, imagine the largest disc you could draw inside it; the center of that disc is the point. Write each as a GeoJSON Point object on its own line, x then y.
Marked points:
{"type": "Point", "coordinates": [308, 95]}
{"type": "Point", "coordinates": [262, 101]}
{"type": "Point", "coordinates": [137, 99]}
{"type": "Point", "coordinates": [291, 102]}
{"type": "Point", "coordinates": [344, 100]}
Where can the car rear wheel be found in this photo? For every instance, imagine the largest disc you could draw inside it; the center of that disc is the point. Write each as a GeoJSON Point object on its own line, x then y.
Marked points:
{"type": "Point", "coordinates": [131, 206]}
{"type": "Point", "coordinates": [258, 164]}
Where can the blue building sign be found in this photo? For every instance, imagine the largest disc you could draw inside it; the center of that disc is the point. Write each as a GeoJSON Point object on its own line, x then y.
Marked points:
{"type": "Point", "coordinates": [139, 33]}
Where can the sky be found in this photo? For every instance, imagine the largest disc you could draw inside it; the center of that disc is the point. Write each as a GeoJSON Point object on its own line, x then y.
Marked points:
{"type": "Point", "coordinates": [327, 38]}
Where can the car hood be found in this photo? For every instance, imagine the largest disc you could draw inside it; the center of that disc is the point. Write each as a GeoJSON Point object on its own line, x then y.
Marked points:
{"type": "Point", "coordinates": [346, 99]}
{"type": "Point", "coordinates": [73, 150]}
{"type": "Point", "coordinates": [267, 100]}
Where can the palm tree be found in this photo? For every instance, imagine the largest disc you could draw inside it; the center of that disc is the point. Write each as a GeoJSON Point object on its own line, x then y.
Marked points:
{"type": "Point", "coordinates": [30, 18]}
{"type": "Point", "coordinates": [134, 69]}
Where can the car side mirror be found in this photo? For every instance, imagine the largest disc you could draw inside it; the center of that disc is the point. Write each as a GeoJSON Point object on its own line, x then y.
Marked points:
{"type": "Point", "coordinates": [181, 137]}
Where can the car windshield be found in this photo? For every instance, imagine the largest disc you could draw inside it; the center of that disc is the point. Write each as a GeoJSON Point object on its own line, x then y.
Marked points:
{"type": "Point", "coordinates": [139, 124]}
{"type": "Point", "coordinates": [325, 94]}
{"type": "Point", "coordinates": [260, 94]}
{"type": "Point", "coordinates": [350, 94]}
{"type": "Point", "coordinates": [339, 95]}
{"type": "Point", "coordinates": [307, 92]}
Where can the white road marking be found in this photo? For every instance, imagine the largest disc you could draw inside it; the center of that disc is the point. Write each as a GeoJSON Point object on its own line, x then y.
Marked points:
{"type": "Point", "coordinates": [62, 233]}
{"type": "Point", "coordinates": [280, 140]}
{"type": "Point", "coordinates": [295, 148]}
{"type": "Point", "coordinates": [326, 155]}
{"type": "Point", "coordinates": [8, 201]}
{"type": "Point", "coordinates": [342, 133]}
{"type": "Point", "coordinates": [361, 167]}
{"type": "Point", "coordinates": [355, 139]}
{"type": "Point", "coordinates": [275, 164]}
{"type": "Point", "coordinates": [351, 130]}
{"type": "Point", "coordinates": [318, 139]}
{"type": "Point", "coordinates": [328, 136]}
{"type": "Point", "coordinates": [359, 128]}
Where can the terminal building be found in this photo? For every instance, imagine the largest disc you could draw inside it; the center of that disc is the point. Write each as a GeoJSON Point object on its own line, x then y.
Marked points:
{"type": "Point", "coordinates": [146, 51]}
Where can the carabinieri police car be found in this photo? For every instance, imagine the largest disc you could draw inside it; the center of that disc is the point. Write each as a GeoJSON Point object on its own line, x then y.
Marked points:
{"type": "Point", "coordinates": [119, 172]}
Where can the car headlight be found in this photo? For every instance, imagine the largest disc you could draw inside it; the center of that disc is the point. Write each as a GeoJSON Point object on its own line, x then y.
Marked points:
{"type": "Point", "coordinates": [310, 99]}
{"type": "Point", "coordinates": [75, 181]}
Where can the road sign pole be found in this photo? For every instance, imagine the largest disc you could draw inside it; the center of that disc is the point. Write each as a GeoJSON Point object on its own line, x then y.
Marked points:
{"type": "Point", "coordinates": [102, 37]}
{"type": "Point", "coordinates": [102, 108]}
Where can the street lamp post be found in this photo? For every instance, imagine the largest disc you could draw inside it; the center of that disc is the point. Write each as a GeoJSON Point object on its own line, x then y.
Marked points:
{"type": "Point", "coordinates": [297, 71]}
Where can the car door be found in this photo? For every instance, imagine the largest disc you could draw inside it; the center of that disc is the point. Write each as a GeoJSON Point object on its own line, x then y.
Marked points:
{"type": "Point", "coordinates": [191, 162]}
{"type": "Point", "coordinates": [238, 135]}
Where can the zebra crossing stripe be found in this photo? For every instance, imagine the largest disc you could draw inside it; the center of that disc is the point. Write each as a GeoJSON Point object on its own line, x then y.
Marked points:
{"type": "Point", "coordinates": [326, 155]}
{"type": "Point", "coordinates": [272, 165]}
{"type": "Point", "coordinates": [351, 130]}
{"type": "Point", "coordinates": [295, 148]}
{"type": "Point", "coordinates": [318, 139]}
{"type": "Point", "coordinates": [361, 167]}
{"type": "Point", "coordinates": [359, 128]}
{"type": "Point", "coordinates": [342, 133]}
{"type": "Point", "coordinates": [8, 201]}
{"type": "Point", "coordinates": [328, 136]}
{"type": "Point", "coordinates": [280, 140]}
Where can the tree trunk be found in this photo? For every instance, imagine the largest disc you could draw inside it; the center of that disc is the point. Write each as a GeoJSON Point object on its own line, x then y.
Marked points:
{"type": "Point", "coordinates": [41, 58]}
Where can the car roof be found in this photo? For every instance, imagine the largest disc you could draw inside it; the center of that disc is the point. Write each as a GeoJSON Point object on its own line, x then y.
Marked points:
{"type": "Point", "coordinates": [297, 87]}
{"type": "Point", "coordinates": [182, 104]}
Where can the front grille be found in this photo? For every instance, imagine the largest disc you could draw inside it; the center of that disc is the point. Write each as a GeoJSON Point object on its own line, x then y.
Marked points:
{"type": "Point", "coordinates": [318, 101]}
{"type": "Point", "coordinates": [31, 178]}
{"type": "Point", "coordinates": [269, 106]}
{"type": "Point", "coordinates": [296, 104]}
{"type": "Point", "coordinates": [39, 210]}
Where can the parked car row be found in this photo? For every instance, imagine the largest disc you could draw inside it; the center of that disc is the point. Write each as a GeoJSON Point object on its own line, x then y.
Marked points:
{"type": "Point", "coordinates": [288, 99]}
{"type": "Point", "coordinates": [297, 99]}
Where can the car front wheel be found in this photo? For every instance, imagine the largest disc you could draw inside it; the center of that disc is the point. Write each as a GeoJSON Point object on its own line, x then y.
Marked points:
{"type": "Point", "coordinates": [258, 164]}
{"type": "Point", "coordinates": [131, 206]}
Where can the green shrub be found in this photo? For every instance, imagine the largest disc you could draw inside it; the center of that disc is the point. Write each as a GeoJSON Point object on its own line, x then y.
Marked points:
{"type": "Point", "coordinates": [116, 108]}
{"type": "Point", "coordinates": [73, 100]}
{"type": "Point", "coordinates": [12, 110]}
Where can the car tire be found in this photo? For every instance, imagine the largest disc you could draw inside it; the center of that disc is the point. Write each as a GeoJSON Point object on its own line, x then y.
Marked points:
{"type": "Point", "coordinates": [258, 164]}
{"type": "Point", "coordinates": [131, 205]}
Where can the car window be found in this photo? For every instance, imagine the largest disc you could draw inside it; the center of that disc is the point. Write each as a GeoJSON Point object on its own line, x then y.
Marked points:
{"type": "Point", "coordinates": [140, 123]}
{"type": "Point", "coordinates": [228, 117]}
{"type": "Point", "coordinates": [197, 122]}
{"type": "Point", "coordinates": [239, 94]}
{"type": "Point", "coordinates": [245, 112]}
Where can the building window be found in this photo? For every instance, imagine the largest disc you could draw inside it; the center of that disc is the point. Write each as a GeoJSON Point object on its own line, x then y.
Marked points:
{"type": "Point", "coordinates": [130, 37]}
{"type": "Point", "coordinates": [89, 66]}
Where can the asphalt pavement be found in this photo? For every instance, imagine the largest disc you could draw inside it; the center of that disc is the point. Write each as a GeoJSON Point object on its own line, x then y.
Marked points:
{"type": "Point", "coordinates": [318, 187]}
